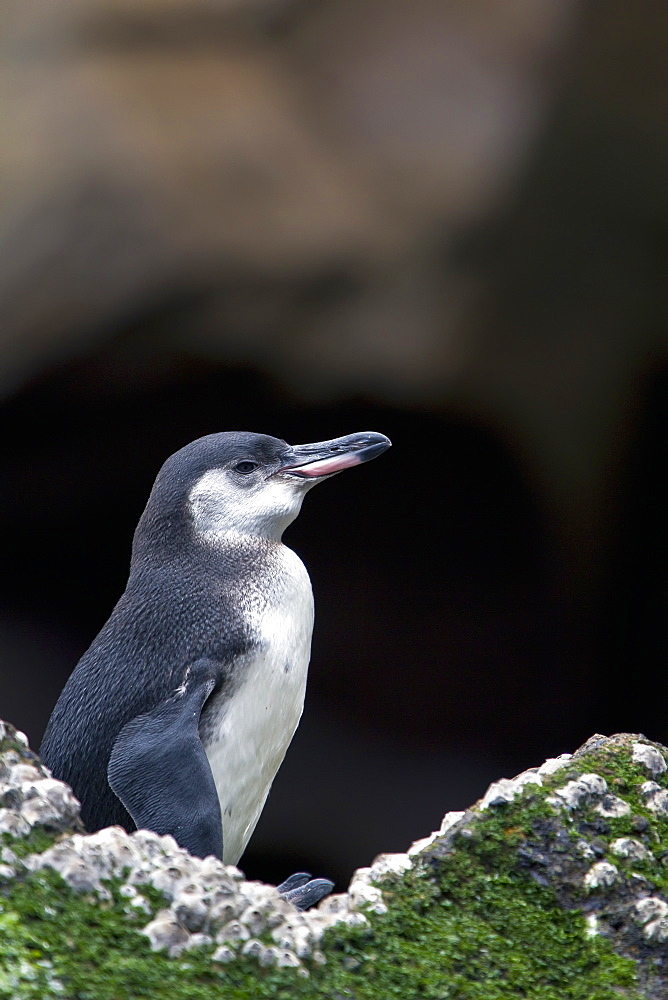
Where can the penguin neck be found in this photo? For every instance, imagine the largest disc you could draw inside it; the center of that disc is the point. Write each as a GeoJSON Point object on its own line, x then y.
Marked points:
{"type": "Point", "coordinates": [233, 539]}
{"type": "Point", "coordinates": [174, 526]}
{"type": "Point", "coordinates": [163, 539]}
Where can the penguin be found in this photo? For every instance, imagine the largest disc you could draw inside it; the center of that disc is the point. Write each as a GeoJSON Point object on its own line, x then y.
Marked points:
{"type": "Point", "coordinates": [178, 716]}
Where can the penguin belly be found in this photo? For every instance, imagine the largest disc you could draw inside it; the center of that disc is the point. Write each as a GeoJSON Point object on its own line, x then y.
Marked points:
{"type": "Point", "coordinates": [246, 733]}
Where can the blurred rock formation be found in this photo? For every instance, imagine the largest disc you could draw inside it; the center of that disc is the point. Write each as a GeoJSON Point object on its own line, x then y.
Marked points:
{"type": "Point", "coordinates": [446, 216]}
{"type": "Point", "coordinates": [295, 176]}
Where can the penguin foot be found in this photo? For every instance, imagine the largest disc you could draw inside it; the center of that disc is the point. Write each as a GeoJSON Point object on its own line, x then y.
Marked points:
{"type": "Point", "coordinates": [303, 891]}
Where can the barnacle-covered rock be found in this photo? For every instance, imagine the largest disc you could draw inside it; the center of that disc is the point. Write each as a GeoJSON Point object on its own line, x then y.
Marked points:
{"type": "Point", "coordinates": [30, 799]}
{"type": "Point", "coordinates": [553, 884]}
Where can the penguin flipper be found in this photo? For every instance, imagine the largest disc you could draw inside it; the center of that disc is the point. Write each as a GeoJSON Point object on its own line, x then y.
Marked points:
{"type": "Point", "coordinates": [160, 772]}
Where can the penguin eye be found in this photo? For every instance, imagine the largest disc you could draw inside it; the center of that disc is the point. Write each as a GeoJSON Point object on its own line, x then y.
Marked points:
{"type": "Point", "coordinates": [246, 467]}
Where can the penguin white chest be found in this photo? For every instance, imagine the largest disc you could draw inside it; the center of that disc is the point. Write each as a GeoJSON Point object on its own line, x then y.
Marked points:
{"type": "Point", "coordinates": [255, 724]}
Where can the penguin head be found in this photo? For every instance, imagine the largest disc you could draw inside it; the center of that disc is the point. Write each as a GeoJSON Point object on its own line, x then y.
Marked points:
{"type": "Point", "coordinates": [239, 483]}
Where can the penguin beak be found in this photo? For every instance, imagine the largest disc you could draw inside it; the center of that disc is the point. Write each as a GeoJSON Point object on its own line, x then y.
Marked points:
{"type": "Point", "coordinates": [312, 461]}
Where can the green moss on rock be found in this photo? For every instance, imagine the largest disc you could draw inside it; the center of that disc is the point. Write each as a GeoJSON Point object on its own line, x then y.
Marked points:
{"type": "Point", "coordinates": [498, 907]}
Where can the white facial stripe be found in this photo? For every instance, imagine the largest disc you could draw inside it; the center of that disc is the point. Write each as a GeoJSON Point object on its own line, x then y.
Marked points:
{"type": "Point", "coordinates": [221, 505]}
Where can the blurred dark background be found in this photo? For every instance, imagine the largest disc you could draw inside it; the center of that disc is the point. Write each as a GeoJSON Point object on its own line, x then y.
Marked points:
{"type": "Point", "coordinates": [443, 220]}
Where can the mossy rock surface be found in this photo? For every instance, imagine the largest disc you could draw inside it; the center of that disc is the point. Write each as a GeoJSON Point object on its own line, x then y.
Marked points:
{"type": "Point", "coordinates": [552, 887]}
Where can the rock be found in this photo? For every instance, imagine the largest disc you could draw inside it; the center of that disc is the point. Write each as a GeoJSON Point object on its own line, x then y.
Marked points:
{"type": "Point", "coordinates": [553, 764]}
{"type": "Point", "coordinates": [560, 868]}
{"type": "Point", "coordinates": [592, 873]}
{"type": "Point", "coordinates": [580, 791]}
{"type": "Point", "coordinates": [504, 791]}
{"type": "Point", "coordinates": [166, 932]}
{"type": "Point", "coordinates": [224, 954]}
{"type": "Point", "coordinates": [650, 758]}
{"type": "Point", "coordinates": [613, 806]}
{"type": "Point", "coordinates": [629, 847]}
{"type": "Point", "coordinates": [601, 876]}
{"type": "Point", "coordinates": [658, 802]}
{"type": "Point", "coordinates": [449, 820]}
{"type": "Point", "coordinates": [142, 157]}
{"type": "Point", "coordinates": [29, 796]}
